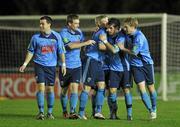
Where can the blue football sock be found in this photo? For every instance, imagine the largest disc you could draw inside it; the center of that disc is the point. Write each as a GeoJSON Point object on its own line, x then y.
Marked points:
{"type": "Point", "coordinates": [112, 102]}
{"type": "Point", "coordinates": [83, 102]}
{"type": "Point", "coordinates": [109, 103]}
{"type": "Point", "coordinates": [146, 100]}
{"type": "Point", "coordinates": [50, 101]}
{"type": "Point", "coordinates": [113, 97]}
{"type": "Point", "coordinates": [128, 100]}
{"type": "Point", "coordinates": [153, 97]}
{"type": "Point", "coordinates": [64, 100]}
{"type": "Point", "coordinates": [99, 100]}
{"type": "Point", "coordinates": [40, 101]}
{"type": "Point", "coordinates": [73, 102]}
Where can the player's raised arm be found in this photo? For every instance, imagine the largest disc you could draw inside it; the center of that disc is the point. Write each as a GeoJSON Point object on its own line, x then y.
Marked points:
{"type": "Point", "coordinates": [114, 49]}
{"type": "Point", "coordinates": [101, 45]}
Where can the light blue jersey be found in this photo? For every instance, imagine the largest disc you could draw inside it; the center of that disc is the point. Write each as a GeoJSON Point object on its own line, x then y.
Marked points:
{"type": "Point", "coordinates": [119, 61]}
{"type": "Point", "coordinates": [46, 48]}
{"type": "Point", "coordinates": [73, 59]}
{"type": "Point", "coordinates": [93, 50]}
{"type": "Point", "coordinates": [141, 49]}
{"type": "Point", "coordinates": [106, 61]}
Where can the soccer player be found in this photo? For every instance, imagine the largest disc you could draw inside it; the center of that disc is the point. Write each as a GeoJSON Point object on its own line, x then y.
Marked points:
{"type": "Point", "coordinates": [105, 66]}
{"type": "Point", "coordinates": [73, 40]}
{"type": "Point", "coordinates": [119, 69]}
{"type": "Point", "coordinates": [93, 73]}
{"type": "Point", "coordinates": [45, 47]}
{"type": "Point", "coordinates": [141, 64]}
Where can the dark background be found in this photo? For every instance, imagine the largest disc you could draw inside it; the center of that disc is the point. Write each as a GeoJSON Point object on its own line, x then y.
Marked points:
{"type": "Point", "coordinates": [39, 7]}
{"type": "Point", "coordinates": [13, 43]}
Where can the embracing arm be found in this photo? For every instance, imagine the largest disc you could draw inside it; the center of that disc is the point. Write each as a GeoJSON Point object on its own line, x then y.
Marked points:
{"type": "Point", "coordinates": [79, 44]}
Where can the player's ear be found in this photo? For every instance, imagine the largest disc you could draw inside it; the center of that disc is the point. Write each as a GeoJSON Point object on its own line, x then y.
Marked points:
{"type": "Point", "coordinates": [69, 24]}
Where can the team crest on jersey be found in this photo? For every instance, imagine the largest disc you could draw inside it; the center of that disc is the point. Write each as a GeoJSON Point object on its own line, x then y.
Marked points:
{"type": "Point", "coordinates": [65, 40]}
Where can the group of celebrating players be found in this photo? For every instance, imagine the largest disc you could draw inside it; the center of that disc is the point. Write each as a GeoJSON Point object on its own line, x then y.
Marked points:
{"type": "Point", "coordinates": [111, 59]}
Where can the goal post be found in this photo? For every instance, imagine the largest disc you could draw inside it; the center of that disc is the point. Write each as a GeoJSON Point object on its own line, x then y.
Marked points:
{"type": "Point", "coordinates": [164, 56]}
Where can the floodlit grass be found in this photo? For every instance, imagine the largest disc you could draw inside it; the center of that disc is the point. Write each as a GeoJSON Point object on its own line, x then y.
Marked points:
{"type": "Point", "coordinates": [21, 113]}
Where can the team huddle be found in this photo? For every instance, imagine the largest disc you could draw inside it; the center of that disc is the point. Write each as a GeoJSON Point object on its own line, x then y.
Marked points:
{"type": "Point", "coordinates": [110, 60]}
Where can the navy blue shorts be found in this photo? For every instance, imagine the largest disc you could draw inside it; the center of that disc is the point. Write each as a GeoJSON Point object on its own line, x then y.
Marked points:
{"type": "Point", "coordinates": [72, 76]}
{"type": "Point", "coordinates": [120, 79]}
{"type": "Point", "coordinates": [144, 73]}
{"type": "Point", "coordinates": [45, 74]}
{"type": "Point", "coordinates": [92, 72]}
{"type": "Point", "coordinates": [107, 74]}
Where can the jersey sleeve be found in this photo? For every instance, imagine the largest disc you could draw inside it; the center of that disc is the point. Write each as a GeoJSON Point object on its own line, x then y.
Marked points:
{"type": "Point", "coordinates": [138, 43]}
{"type": "Point", "coordinates": [120, 39]}
{"type": "Point", "coordinates": [32, 45]}
{"type": "Point", "coordinates": [82, 38]}
{"type": "Point", "coordinates": [102, 33]}
{"type": "Point", "coordinates": [65, 38]}
{"type": "Point", "coordinates": [60, 45]}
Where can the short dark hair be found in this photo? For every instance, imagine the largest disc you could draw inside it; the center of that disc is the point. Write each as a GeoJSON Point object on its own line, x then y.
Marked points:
{"type": "Point", "coordinates": [71, 17]}
{"type": "Point", "coordinates": [115, 22]}
{"type": "Point", "coordinates": [47, 18]}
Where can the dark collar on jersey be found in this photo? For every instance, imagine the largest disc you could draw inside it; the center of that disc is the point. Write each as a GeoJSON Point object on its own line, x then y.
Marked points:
{"type": "Point", "coordinates": [50, 36]}
{"type": "Point", "coordinates": [73, 32]}
{"type": "Point", "coordinates": [104, 28]}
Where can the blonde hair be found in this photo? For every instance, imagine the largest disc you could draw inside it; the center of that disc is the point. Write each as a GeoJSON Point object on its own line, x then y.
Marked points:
{"type": "Point", "coordinates": [98, 19]}
{"type": "Point", "coordinates": [131, 21]}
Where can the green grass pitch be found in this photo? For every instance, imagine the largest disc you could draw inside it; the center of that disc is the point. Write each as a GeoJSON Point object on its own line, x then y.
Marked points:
{"type": "Point", "coordinates": [21, 113]}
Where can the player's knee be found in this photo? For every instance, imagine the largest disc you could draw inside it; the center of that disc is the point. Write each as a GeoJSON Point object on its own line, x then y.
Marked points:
{"type": "Point", "coordinates": [141, 86]}
{"type": "Point", "coordinates": [113, 90]}
{"type": "Point", "coordinates": [101, 85]}
{"type": "Point", "coordinates": [41, 87]}
{"type": "Point", "coordinates": [151, 88]}
{"type": "Point", "coordinates": [87, 89]}
{"type": "Point", "coordinates": [126, 90]}
{"type": "Point", "coordinates": [74, 87]}
{"type": "Point", "coordinates": [50, 89]}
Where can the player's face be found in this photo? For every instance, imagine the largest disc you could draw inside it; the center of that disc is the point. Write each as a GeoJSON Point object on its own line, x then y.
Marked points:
{"type": "Point", "coordinates": [128, 29]}
{"type": "Point", "coordinates": [111, 29]}
{"type": "Point", "coordinates": [44, 26]}
{"type": "Point", "coordinates": [104, 21]}
{"type": "Point", "coordinates": [75, 24]}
